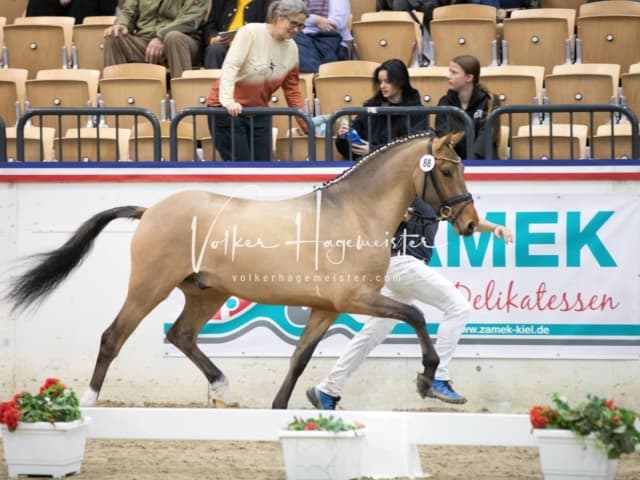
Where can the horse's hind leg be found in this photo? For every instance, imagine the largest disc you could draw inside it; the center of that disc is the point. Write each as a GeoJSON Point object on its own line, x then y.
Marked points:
{"type": "Point", "coordinates": [137, 306]}
{"type": "Point", "coordinates": [318, 323]}
{"type": "Point", "coordinates": [199, 307]}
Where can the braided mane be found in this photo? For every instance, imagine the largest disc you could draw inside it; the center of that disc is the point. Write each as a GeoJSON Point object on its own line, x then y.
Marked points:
{"type": "Point", "coordinates": [369, 156]}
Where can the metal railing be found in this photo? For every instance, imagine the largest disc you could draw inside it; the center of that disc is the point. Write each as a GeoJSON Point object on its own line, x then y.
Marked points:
{"type": "Point", "coordinates": [544, 115]}
{"type": "Point", "coordinates": [3, 141]}
{"type": "Point", "coordinates": [95, 116]}
{"type": "Point", "coordinates": [212, 112]}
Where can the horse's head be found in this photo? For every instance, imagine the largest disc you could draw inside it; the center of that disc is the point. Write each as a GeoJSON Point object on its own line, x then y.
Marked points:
{"type": "Point", "coordinates": [439, 180]}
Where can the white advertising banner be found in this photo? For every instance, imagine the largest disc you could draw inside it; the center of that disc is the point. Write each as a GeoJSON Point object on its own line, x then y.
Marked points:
{"type": "Point", "coordinates": [569, 287]}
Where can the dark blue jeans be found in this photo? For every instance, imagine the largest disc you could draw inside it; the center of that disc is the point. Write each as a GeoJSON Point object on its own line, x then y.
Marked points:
{"type": "Point", "coordinates": [234, 140]}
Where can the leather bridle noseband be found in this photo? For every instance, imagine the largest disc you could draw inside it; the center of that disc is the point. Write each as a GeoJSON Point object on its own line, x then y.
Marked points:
{"type": "Point", "coordinates": [444, 211]}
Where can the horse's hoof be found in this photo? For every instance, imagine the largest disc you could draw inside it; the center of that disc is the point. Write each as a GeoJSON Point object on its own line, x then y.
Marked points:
{"type": "Point", "coordinates": [216, 403]}
{"type": "Point", "coordinates": [423, 384]}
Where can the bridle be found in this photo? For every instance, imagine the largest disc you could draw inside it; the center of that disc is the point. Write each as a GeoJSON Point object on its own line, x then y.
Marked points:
{"type": "Point", "coordinates": [444, 211]}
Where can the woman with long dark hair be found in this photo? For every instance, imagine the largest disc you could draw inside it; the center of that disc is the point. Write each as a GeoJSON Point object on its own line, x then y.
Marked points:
{"type": "Point", "coordinates": [394, 90]}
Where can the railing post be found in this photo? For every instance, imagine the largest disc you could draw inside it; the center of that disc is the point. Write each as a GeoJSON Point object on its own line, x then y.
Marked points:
{"type": "Point", "coordinates": [3, 141]}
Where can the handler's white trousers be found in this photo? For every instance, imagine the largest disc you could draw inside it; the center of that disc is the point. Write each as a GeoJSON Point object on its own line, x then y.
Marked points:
{"type": "Point", "coordinates": [408, 279]}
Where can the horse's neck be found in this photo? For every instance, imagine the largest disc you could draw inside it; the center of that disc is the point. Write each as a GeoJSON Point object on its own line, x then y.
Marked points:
{"type": "Point", "coordinates": [381, 187]}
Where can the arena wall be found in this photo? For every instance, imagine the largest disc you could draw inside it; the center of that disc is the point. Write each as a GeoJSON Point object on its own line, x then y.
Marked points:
{"type": "Point", "coordinates": [61, 338]}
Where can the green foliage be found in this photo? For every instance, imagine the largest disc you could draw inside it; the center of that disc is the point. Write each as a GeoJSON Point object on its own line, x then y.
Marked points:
{"type": "Point", "coordinates": [323, 424]}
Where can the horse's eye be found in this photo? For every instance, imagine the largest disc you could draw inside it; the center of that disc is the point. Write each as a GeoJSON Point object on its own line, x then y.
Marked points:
{"type": "Point", "coordinates": [446, 172]}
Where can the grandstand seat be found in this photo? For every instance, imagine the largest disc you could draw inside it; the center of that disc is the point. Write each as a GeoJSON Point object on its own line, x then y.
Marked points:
{"type": "Point", "coordinates": [631, 88]}
{"type": "Point", "coordinates": [37, 43]}
{"type": "Point", "coordinates": [281, 122]}
{"type": "Point", "coordinates": [514, 85]}
{"type": "Point", "coordinates": [192, 90]}
{"type": "Point", "coordinates": [376, 43]}
{"type": "Point", "coordinates": [535, 142]}
{"type": "Point", "coordinates": [466, 29]}
{"type": "Point", "coordinates": [12, 93]}
{"type": "Point", "coordinates": [62, 88]}
{"type": "Point", "coordinates": [359, 7]}
{"type": "Point", "coordinates": [12, 9]}
{"type": "Point", "coordinates": [90, 144]}
{"type": "Point", "coordinates": [582, 84]}
{"type": "Point", "coordinates": [345, 84]}
{"type": "Point", "coordinates": [141, 142]}
{"type": "Point", "coordinates": [609, 32]}
{"type": "Point", "coordinates": [139, 85]}
{"type": "Point", "coordinates": [3, 22]}
{"type": "Point", "coordinates": [575, 4]}
{"type": "Point", "coordinates": [88, 42]}
{"type": "Point", "coordinates": [38, 144]}
{"type": "Point", "coordinates": [432, 83]}
{"type": "Point", "coordinates": [612, 141]}
{"type": "Point", "coordinates": [539, 37]}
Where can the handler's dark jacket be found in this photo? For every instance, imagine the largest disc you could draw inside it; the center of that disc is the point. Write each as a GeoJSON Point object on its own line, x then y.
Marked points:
{"type": "Point", "coordinates": [222, 12]}
{"type": "Point", "coordinates": [417, 235]}
{"type": "Point", "coordinates": [379, 134]}
{"type": "Point", "coordinates": [480, 105]}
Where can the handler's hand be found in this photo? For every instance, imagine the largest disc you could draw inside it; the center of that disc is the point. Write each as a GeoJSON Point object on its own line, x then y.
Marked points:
{"type": "Point", "coordinates": [360, 149]}
{"type": "Point", "coordinates": [504, 232]}
{"type": "Point", "coordinates": [155, 51]}
{"type": "Point", "coordinates": [116, 30]}
{"type": "Point", "coordinates": [234, 109]}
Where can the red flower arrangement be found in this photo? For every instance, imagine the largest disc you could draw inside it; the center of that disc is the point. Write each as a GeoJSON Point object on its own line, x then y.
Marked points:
{"type": "Point", "coordinates": [323, 424]}
{"type": "Point", "coordinates": [54, 403]}
{"type": "Point", "coordinates": [615, 428]}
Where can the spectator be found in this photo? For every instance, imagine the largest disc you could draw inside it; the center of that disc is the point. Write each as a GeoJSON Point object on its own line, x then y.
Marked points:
{"type": "Point", "coordinates": [466, 92]}
{"type": "Point", "coordinates": [262, 58]}
{"type": "Point", "coordinates": [409, 278]}
{"type": "Point", "coordinates": [394, 90]}
{"type": "Point", "coordinates": [326, 36]}
{"type": "Point", "coordinates": [71, 8]}
{"type": "Point", "coordinates": [149, 31]}
{"type": "Point", "coordinates": [228, 16]}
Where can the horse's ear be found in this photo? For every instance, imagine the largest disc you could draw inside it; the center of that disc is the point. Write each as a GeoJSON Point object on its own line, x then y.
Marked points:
{"type": "Point", "coordinates": [456, 137]}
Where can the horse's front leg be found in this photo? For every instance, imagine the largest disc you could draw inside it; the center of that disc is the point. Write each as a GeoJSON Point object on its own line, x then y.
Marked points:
{"type": "Point", "coordinates": [318, 323]}
{"type": "Point", "coordinates": [378, 305]}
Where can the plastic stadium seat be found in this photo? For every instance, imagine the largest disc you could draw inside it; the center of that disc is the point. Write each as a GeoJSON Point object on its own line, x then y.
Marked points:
{"type": "Point", "coordinates": [381, 40]}
{"type": "Point", "coordinates": [575, 4]}
{"type": "Point", "coordinates": [359, 7]}
{"type": "Point", "coordinates": [583, 84]}
{"type": "Point", "coordinates": [143, 137]}
{"type": "Point", "coordinates": [93, 144]}
{"type": "Point", "coordinates": [535, 142]}
{"type": "Point", "coordinates": [631, 88]}
{"type": "Point", "coordinates": [192, 90]}
{"type": "Point", "coordinates": [12, 92]}
{"type": "Point", "coordinates": [612, 141]}
{"type": "Point", "coordinates": [3, 22]}
{"type": "Point", "coordinates": [38, 144]}
{"type": "Point", "coordinates": [11, 9]}
{"type": "Point", "coordinates": [62, 88]}
{"type": "Point", "coordinates": [88, 42]}
{"type": "Point", "coordinates": [609, 32]}
{"type": "Point", "coordinates": [386, 15]}
{"type": "Point", "coordinates": [539, 37]}
{"type": "Point", "coordinates": [432, 83]}
{"type": "Point", "coordinates": [467, 29]}
{"type": "Point", "coordinates": [137, 70]}
{"type": "Point", "coordinates": [515, 85]}
{"type": "Point", "coordinates": [37, 43]}
{"type": "Point", "coordinates": [343, 85]}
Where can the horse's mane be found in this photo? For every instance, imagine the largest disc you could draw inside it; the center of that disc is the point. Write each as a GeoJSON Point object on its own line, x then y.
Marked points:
{"type": "Point", "coordinates": [374, 154]}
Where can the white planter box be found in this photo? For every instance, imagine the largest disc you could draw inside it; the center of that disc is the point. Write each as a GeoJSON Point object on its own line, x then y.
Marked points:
{"type": "Point", "coordinates": [312, 455]}
{"type": "Point", "coordinates": [564, 456]}
{"type": "Point", "coordinates": [43, 448]}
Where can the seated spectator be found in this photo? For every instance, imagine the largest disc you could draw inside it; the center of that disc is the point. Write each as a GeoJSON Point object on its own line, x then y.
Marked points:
{"type": "Point", "coordinates": [153, 32]}
{"type": "Point", "coordinates": [71, 8]}
{"type": "Point", "coordinates": [326, 36]}
{"type": "Point", "coordinates": [466, 92]}
{"type": "Point", "coordinates": [228, 16]}
{"type": "Point", "coordinates": [394, 90]}
{"type": "Point", "coordinates": [262, 58]}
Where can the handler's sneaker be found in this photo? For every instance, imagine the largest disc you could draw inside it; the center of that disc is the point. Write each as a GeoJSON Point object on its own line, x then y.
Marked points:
{"type": "Point", "coordinates": [441, 389]}
{"type": "Point", "coordinates": [321, 400]}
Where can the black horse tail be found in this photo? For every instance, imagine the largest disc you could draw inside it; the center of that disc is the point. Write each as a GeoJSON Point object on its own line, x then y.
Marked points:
{"type": "Point", "coordinates": [54, 266]}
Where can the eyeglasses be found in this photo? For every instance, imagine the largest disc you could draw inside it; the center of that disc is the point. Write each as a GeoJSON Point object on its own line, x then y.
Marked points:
{"type": "Point", "coordinates": [294, 24]}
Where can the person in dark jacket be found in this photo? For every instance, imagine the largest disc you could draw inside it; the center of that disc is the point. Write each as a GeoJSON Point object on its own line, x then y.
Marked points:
{"type": "Point", "coordinates": [71, 8]}
{"type": "Point", "coordinates": [466, 92]}
{"type": "Point", "coordinates": [394, 90]}
{"type": "Point", "coordinates": [228, 16]}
